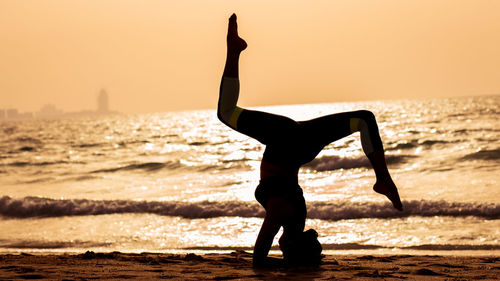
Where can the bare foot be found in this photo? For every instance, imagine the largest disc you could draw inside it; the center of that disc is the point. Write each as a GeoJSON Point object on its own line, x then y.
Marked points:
{"type": "Point", "coordinates": [234, 42]}
{"type": "Point", "coordinates": [389, 189]}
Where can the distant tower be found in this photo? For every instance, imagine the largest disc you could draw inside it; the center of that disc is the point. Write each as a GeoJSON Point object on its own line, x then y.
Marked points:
{"type": "Point", "coordinates": [103, 102]}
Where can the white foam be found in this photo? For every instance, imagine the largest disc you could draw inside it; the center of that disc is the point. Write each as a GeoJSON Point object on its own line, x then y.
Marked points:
{"type": "Point", "coordinates": [45, 207]}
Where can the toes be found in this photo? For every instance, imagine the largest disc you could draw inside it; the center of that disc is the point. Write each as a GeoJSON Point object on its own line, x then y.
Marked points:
{"type": "Point", "coordinates": [399, 207]}
{"type": "Point", "coordinates": [397, 203]}
{"type": "Point", "coordinates": [232, 24]}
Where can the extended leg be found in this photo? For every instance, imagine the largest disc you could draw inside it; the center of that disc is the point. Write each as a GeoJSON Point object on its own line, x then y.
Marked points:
{"type": "Point", "coordinates": [227, 111]}
{"type": "Point", "coordinates": [235, 45]}
{"type": "Point", "coordinates": [265, 127]}
{"type": "Point", "coordinates": [324, 130]}
{"type": "Point", "coordinates": [372, 146]}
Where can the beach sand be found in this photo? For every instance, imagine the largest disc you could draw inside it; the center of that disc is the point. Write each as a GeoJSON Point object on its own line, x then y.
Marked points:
{"type": "Point", "coordinates": [238, 265]}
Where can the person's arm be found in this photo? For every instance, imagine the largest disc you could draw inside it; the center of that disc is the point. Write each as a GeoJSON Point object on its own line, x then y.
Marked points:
{"type": "Point", "coordinates": [278, 210]}
{"type": "Point", "coordinates": [268, 230]}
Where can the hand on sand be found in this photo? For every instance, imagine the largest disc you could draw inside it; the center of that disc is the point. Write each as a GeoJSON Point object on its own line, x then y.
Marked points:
{"type": "Point", "coordinates": [234, 42]}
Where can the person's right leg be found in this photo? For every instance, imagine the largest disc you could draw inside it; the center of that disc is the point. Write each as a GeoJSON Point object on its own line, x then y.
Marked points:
{"type": "Point", "coordinates": [321, 131]}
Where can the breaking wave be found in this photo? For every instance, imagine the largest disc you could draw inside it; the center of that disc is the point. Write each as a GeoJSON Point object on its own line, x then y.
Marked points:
{"type": "Point", "coordinates": [148, 166]}
{"type": "Point", "coordinates": [402, 145]}
{"type": "Point", "coordinates": [142, 166]}
{"type": "Point", "coordinates": [175, 165]}
{"type": "Point", "coordinates": [43, 163]}
{"type": "Point", "coordinates": [492, 154]}
{"type": "Point", "coordinates": [360, 246]}
{"type": "Point", "coordinates": [37, 244]}
{"type": "Point", "coordinates": [329, 163]}
{"type": "Point", "coordinates": [43, 207]}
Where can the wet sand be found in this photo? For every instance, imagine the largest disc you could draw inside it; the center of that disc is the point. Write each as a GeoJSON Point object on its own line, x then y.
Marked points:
{"type": "Point", "coordinates": [238, 265]}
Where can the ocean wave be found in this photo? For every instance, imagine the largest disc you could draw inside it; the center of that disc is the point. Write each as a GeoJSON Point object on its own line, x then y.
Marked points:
{"type": "Point", "coordinates": [38, 180]}
{"type": "Point", "coordinates": [126, 143]}
{"type": "Point", "coordinates": [176, 165]}
{"type": "Point", "coordinates": [471, 130]}
{"type": "Point", "coordinates": [400, 145]}
{"type": "Point", "coordinates": [360, 246]}
{"type": "Point", "coordinates": [329, 163]}
{"type": "Point", "coordinates": [454, 247]}
{"type": "Point", "coordinates": [432, 142]}
{"type": "Point", "coordinates": [492, 154]}
{"type": "Point", "coordinates": [332, 246]}
{"type": "Point", "coordinates": [148, 166]}
{"type": "Point", "coordinates": [9, 130]}
{"type": "Point", "coordinates": [42, 244]}
{"type": "Point", "coordinates": [424, 208]}
{"type": "Point", "coordinates": [37, 244]}
{"type": "Point", "coordinates": [425, 247]}
{"type": "Point", "coordinates": [43, 163]}
{"type": "Point", "coordinates": [44, 207]}
{"type": "Point", "coordinates": [28, 140]}
{"type": "Point", "coordinates": [88, 145]}
{"type": "Point", "coordinates": [201, 143]}
{"type": "Point", "coordinates": [198, 143]}
{"type": "Point", "coordinates": [164, 136]}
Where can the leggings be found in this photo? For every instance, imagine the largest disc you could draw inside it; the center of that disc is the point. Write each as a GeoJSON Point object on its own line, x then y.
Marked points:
{"type": "Point", "coordinates": [291, 143]}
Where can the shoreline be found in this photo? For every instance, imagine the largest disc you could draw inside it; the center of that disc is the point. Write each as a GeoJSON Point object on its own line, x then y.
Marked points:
{"type": "Point", "coordinates": [352, 249]}
{"type": "Point", "coordinates": [274, 252]}
{"type": "Point", "coordinates": [238, 265]}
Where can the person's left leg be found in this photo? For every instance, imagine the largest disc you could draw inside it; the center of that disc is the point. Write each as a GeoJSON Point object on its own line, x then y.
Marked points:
{"type": "Point", "coordinates": [321, 131]}
{"type": "Point", "coordinates": [265, 127]}
{"type": "Point", "coordinates": [227, 111]}
{"type": "Point", "coordinates": [235, 45]}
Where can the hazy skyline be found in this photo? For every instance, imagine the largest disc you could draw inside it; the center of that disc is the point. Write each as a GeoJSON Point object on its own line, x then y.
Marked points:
{"type": "Point", "coordinates": [168, 55]}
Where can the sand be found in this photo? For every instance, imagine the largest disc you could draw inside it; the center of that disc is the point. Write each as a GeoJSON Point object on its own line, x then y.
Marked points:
{"type": "Point", "coordinates": [237, 265]}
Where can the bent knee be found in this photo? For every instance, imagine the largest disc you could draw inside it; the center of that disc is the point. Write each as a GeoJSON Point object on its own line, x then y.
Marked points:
{"type": "Point", "coordinates": [229, 116]}
{"type": "Point", "coordinates": [366, 115]}
{"type": "Point", "coordinates": [361, 121]}
{"type": "Point", "coordinates": [224, 113]}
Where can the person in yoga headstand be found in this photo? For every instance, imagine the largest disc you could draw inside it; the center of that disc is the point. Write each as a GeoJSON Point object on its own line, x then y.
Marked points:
{"type": "Point", "coordinates": [289, 145]}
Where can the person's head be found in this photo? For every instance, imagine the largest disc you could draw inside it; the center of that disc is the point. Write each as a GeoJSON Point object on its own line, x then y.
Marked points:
{"type": "Point", "coordinates": [303, 249]}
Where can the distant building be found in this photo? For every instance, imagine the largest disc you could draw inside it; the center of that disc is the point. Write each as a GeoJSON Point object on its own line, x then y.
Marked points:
{"type": "Point", "coordinates": [12, 114]}
{"type": "Point", "coordinates": [103, 102]}
{"type": "Point", "coordinates": [26, 115]}
{"type": "Point", "coordinates": [49, 111]}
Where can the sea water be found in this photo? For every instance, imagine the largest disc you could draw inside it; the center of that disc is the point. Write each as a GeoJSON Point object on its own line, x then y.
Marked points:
{"type": "Point", "coordinates": [184, 182]}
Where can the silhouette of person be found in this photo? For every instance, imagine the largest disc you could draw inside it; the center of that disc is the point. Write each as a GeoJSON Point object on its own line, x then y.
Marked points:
{"type": "Point", "coordinates": [289, 145]}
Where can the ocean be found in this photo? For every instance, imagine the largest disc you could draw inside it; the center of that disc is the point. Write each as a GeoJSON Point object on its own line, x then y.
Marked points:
{"type": "Point", "coordinates": [184, 182]}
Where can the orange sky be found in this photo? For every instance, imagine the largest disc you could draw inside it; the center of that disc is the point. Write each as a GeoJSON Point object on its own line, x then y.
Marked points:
{"type": "Point", "coordinates": [159, 55]}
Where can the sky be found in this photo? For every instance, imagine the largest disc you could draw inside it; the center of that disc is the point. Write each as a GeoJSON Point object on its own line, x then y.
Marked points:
{"type": "Point", "coordinates": [159, 55]}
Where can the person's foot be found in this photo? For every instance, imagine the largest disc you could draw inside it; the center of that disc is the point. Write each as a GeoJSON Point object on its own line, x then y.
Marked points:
{"type": "Point", "coordinates": [389, 189]}
{"type": "Point", "coordinates": [234, 42]}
